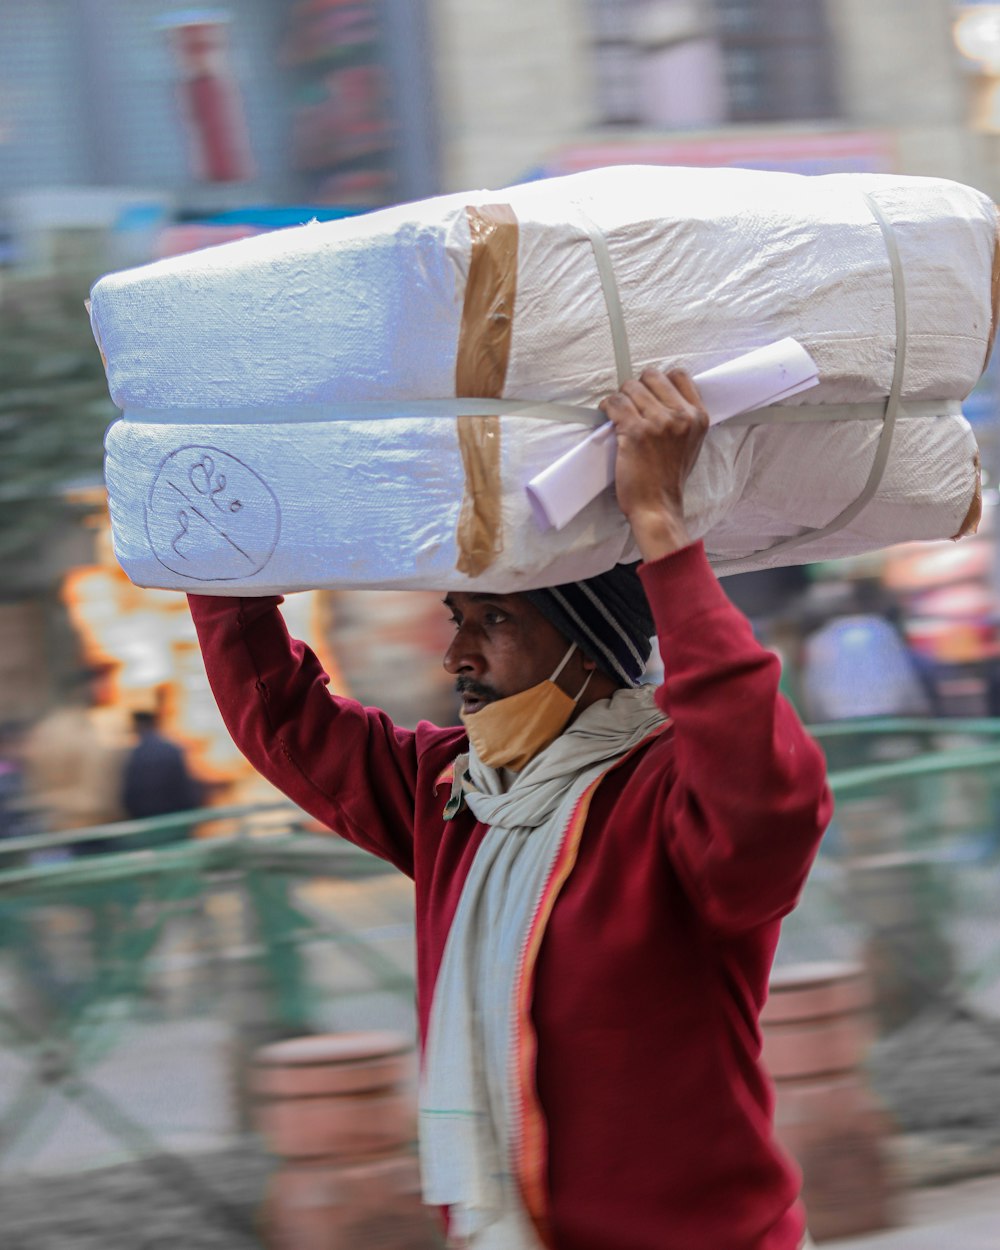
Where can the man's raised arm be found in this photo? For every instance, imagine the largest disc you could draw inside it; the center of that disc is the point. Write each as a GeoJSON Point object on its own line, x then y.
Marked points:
{"type": "Point", "coordinates": [346, 765]}
{"type": "Point", "coordinates": [750, 802]}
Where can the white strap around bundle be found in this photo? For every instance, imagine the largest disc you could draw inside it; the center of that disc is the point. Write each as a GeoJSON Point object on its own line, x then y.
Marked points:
{"type": "Point", "coordinates": [888, 413]}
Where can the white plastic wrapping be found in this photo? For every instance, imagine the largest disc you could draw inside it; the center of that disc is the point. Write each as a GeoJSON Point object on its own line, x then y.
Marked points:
{"type": "Point", "coordinates": [303, 364]}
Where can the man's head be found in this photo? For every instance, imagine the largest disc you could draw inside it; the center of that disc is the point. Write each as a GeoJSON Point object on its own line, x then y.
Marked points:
{"type": "Point", "coordinates": [144, 721]}
{"type": "Point", "coordinates": [504, 644]}
{"type": "Point", "coordinates": [91, 685]}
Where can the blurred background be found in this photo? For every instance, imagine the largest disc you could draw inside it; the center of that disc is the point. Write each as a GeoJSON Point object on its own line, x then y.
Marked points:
{"type": "Point", "coordinates": [145, 953]}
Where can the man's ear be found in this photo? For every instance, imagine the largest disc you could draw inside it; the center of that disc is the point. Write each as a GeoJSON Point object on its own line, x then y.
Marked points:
{"type": "Point", "coordinates": [589, 665]}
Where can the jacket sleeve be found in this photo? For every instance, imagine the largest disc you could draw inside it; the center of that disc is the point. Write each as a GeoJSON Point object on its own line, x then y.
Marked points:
{"type": "Point", "coordinates": [750, 801]}
{"type": "Point", "coordinates": [345, 764]}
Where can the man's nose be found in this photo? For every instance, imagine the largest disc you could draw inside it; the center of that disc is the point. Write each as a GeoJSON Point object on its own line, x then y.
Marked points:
{"type": "Point", "coordinates": [463, 658]}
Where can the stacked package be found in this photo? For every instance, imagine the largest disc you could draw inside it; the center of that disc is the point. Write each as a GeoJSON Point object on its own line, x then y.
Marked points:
{"type": "Point", "coordinates": [362, 402]}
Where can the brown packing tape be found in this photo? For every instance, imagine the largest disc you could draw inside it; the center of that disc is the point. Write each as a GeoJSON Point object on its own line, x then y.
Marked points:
{"type": "Point", "coordinates": [488, 312]}
{"type": "Point", "coordinates": [975, 514]}
{"type": "Point", "coordinates": [480, 525]}
{"type": "Point", "coordinates": [481, 370]}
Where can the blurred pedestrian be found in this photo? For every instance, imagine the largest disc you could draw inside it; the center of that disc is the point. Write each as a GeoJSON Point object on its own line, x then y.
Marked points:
{"type": "Point", "coordinates": [72, 766]}
{"type": "Point", "coordinates": [73, 758]}
{"type": "Point", "coordinates": [859, 664]}
{"type": "Point", "coordinates": [156, 780]}
{"type": "Point", "coordinates": [15, 818]}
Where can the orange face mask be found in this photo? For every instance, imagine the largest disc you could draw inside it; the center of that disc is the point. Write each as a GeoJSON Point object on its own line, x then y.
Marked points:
{"type": "Point", "coordinates": [510, 732]}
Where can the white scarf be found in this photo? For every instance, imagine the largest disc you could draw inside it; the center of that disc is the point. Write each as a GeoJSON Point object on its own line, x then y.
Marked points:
{"type": "Point", "coordinates": [468, 1093]}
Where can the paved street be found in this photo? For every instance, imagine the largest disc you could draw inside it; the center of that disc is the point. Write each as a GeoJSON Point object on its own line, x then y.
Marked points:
{"type": "Point", "coordinates": [965, 1216]}
{"type": "Point", "coordinates": [174, 1078]}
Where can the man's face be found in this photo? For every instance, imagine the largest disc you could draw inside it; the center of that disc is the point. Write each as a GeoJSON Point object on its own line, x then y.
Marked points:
{"type": "Point", "coordinates": [504, 645]}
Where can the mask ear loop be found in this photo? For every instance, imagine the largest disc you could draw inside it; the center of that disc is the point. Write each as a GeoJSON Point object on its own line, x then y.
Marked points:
{"type": "Point", "coordinates": [562, 664]}
{"type": "Point", "coordinates": [564, 661]}
{"type": "Point", "coordinates": [579, 694]}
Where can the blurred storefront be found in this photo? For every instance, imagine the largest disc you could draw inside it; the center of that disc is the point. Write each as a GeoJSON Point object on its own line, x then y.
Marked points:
{"type": "Point", "coordinates": [950, 614]}
{"type": "Point", "coordinates": [251, 101]}
{"type": "Point", "coordinates": [791, 150]}
{"type": "Point", "coordinates": [809, 85]}
{"type": "Point", "coordinates": [366, 102]}
{"type": "Point", "coordinates": [802, 85]}
{"type": "Point", "coordinates": [131, 129]}
{"type": "Point", "coordinates": [136, 128]}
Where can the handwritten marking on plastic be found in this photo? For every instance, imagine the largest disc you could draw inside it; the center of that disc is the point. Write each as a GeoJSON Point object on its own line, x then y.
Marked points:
{"type": "Point", "coordinates": [182, 517]}
{"type": "Point", "coordinates": [210, 517]}
{"type": "Point", "coordinates": [201, 478]}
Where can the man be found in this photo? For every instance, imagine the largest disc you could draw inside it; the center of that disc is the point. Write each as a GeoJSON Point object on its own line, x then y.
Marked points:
{"type": "Point", "coordinates": [600, 872]}
{"type": "Point", "coordinates": [73, 758]}
{"type": "Point", "coordinates": [156, 779]}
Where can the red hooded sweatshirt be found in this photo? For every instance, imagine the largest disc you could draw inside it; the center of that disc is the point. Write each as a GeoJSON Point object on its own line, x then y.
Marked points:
{"type": "Point", "coordinates": [646, 1118]}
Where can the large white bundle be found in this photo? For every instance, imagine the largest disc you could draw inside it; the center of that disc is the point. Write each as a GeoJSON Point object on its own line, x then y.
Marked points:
{"type": "Point", "coordinates": [301, 379]}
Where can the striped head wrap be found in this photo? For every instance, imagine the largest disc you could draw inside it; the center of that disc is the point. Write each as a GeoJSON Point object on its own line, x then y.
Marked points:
{"type": "Point", "coordinates": [608, 618]}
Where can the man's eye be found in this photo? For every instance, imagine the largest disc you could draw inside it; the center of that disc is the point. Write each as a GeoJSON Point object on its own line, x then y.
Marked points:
{"type": "Point", "coordinates": [454, 620]}
{"type": "Point", "coordinates": [495, 618]}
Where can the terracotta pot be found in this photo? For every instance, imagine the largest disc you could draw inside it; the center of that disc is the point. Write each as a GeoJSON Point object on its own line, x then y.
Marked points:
{"type": "Point", "coordinates": [339, 1110]}
{"type": "Point", "coordinates": [815, 1048]}
{"type": "Point", "coordinates": [808, 991]}
{"type": "Point", "coordinates": [835, 1132]}
{"type": "Point", "coordinates": [339, 1126]}
{"type": "Point", "coordinates": [816, 1020]}
{"type": "Point", "coordinates": [335, 1096]}
{"type": "Point", "coordinates": [279, 1075]}
{"type": "Point", "coordinates": [373, 1205]}
{"type": "Point", "coordinates": [817, 1031]}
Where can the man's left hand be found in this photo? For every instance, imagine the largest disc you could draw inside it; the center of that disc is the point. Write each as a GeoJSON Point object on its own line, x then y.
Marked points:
{"type": "Point", "coordinates": [660, 424]}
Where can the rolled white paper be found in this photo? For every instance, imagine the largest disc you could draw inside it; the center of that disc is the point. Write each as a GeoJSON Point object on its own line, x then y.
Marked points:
{"type": "Point", "coordinates": [756, 379]}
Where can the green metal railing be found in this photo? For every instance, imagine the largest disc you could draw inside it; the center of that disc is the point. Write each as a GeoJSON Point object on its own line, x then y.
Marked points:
{"type": "Point", "coordinates": [130, 900]}
{"type": "Point", "coordinates": [909, 873]}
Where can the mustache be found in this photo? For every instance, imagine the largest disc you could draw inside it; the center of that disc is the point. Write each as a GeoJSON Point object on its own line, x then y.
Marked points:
{"type": "Point", "coordinates": [467, 685]}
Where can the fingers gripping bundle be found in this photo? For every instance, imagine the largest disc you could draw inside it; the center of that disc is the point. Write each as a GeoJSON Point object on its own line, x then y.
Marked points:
{"type": "Point", "coordinates": [360, 403]}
